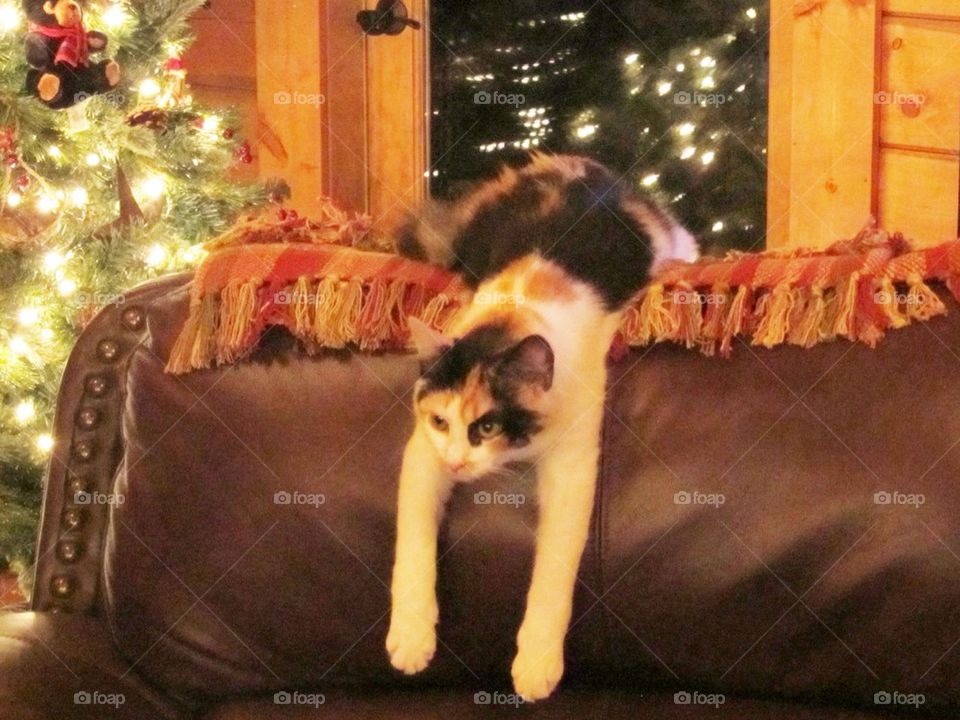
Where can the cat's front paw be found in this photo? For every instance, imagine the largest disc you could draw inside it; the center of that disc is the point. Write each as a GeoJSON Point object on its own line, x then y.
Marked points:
{"type": "Point", "coordinates": [411, 641]}
{"type": "Point", "coordinates": [537, 670]}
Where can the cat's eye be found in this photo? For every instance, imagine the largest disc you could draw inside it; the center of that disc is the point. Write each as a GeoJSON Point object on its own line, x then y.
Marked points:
{"type": "Point", "coordinates": [489, 428]}
{"type": "Point", "coordinates": [439, 423]}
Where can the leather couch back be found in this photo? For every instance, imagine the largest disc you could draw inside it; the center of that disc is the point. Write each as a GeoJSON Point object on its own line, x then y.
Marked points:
{"type": "Point", "coordinates": [785, 522]}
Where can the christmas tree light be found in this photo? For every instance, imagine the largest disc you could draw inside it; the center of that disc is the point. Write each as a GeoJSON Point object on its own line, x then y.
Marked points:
{"type": "Point", "coordinates": [24, 412]}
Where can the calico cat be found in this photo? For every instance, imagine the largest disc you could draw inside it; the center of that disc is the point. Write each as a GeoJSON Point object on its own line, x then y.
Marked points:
{"type": "Point", "coordinates": [554, 251]}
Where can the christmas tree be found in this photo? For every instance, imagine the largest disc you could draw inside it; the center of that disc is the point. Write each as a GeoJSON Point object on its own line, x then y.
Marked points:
{"type": "Point", "coordinates": [671, 93]}
{"type": "Point", "coordinates": [122, 185]}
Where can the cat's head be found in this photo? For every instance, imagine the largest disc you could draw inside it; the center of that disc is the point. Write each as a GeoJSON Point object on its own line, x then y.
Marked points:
{"type": "Point", "coordinates": [480, 398]}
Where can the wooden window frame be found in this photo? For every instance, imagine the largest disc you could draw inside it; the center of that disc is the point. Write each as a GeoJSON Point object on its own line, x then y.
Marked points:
{"type": "Point", "coordinates": [366, 144]}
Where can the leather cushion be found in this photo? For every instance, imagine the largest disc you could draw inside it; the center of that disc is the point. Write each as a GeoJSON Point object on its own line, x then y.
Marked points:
{"type": "Point", "coordinates": [66, 666]}
{"type": "Point", "coordinates": [807, 581]}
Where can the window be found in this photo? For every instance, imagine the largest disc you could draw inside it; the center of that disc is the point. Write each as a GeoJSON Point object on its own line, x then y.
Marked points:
{"type": "Point", "coordinates": [671, 94]}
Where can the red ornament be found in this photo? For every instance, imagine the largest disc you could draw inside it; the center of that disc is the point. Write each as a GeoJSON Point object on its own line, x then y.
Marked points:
{"type": "Point", "coordinates": [228, 134]}
{"type": "Point", "coordinates": [22, 182]}
{"type": "Point", "coordinates": [7, 138]}
{"type": "Point", "coordinates": [244, 154]}
{"type": "Point", "coordinates": [12, 159]}
{"type": "Point", "coordinates": [173, 63]}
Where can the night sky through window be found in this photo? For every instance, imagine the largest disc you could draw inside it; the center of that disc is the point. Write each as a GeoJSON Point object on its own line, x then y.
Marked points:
{"type": "Point", "coordinates": [672, 93]}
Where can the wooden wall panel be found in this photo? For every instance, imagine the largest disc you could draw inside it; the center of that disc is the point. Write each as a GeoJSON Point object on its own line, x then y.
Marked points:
{"type": "Point", "coordinates": [224, 52]}
{"type": "Point", "coordinates": [942, 8]}
{"type": "Point", "coordinates": [832, 164]}
{"type": "Point", "coordinates": [921, 99]}
{"type": "Point", "coordinates": [918, 192]}
{"type": "Point", "coordinates": [290, 96]}
{"type": "Point", "coordinates": [920, 195]}
{"type": "Point", "coordinates": [221, 67]}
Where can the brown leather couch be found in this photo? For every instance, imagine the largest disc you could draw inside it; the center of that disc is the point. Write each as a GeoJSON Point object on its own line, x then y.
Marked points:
{"type": "Point", "coordinates": [779, 532]}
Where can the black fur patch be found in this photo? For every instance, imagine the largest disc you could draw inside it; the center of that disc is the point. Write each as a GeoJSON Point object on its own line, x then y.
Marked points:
{"type": "Point", "coordinates": [589, 233]}
{"type": "Point", "coordinates": [484, 347]}
{"type": "Point", "coordinates": [450, 369]}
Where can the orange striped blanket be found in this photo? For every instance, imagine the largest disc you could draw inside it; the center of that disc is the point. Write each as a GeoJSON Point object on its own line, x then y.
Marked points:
{"type": "Point", "coordinates": [330, 294]}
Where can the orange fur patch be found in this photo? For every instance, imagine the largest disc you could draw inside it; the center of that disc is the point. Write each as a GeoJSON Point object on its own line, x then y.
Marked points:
{"type": "Point", "coordinates": [569, 167]}
{"type": "Point", "coordinates": [537, 279]}
{"type": "Point", "coordinates": [475, 399]}
{"type": "Point", "coordinates": [552, 200]}
{"type": "Point", "coordinates": [469, 403]}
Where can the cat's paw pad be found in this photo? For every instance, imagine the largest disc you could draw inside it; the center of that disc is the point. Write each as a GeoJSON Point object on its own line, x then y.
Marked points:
{"type": "Point", "coordinates": [537, 670]}
{"type": "Point", "coordinates": [411, 645]}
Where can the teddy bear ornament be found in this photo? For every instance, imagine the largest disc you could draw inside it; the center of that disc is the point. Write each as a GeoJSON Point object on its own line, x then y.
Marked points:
{"type": "Point", "coordinates": [58, 50]}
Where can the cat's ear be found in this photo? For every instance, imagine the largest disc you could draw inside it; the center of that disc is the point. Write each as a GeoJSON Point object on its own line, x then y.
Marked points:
{"type": "Point", "coordinates": [529, 362]}
{"type": "Point", "coordinates": [427, 341]}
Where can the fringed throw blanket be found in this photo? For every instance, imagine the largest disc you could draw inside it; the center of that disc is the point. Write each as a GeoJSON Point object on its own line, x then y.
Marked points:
{"type": "Point", "coordinates": [313, 279]}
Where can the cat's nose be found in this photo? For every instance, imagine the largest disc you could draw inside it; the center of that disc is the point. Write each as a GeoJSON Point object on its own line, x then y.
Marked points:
{"type": "Point", "coordinates": [457, 466]}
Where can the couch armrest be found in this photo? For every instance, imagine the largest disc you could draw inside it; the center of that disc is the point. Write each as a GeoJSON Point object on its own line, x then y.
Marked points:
{"type": "Point", "coordinates": [65, 666]}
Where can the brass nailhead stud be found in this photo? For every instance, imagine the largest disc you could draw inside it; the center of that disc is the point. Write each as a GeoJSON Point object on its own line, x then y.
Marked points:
{"type": "Point", "coordinates": [68, 551]}
{"type": "Point", "coordinates": [76, 486]}
{"type": "Point", "coordinates": [97, 386]}
{"type": "Point", "coordinates": [84, 450]}
{"type": "Point", "coordinates": [108, 350]}
{"type": "Point", "coordinates": [72, 519]}
{"type": "Point", "coordinates": [132, 317]}
{"type": "Point", "coordinates": [88, 418]}
{"type": "Point", "coordinates": [61, 586]}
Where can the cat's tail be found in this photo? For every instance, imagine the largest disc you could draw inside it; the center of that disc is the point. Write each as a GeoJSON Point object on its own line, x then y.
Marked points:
{"type": "Point", "coordinates": [669, 240]}
{"type": "Point", "coordinates": [678, 244]}
{"type": "Point", "coordinates": [428, 235]}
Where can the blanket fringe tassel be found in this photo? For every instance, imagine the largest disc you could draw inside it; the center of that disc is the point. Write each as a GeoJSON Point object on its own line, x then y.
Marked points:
{"type": "Point", "coordinates": [334, 313]}
{"type": "Point", "coordinates": [327, 313]}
